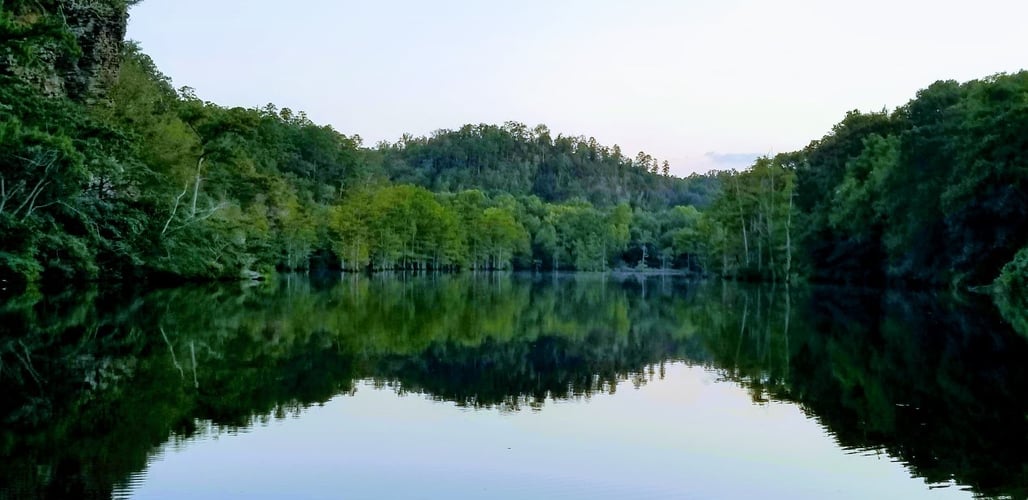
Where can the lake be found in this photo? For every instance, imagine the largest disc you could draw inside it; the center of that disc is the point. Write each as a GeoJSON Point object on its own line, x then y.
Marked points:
{"type": "Point", "coordinates": [510, 386]}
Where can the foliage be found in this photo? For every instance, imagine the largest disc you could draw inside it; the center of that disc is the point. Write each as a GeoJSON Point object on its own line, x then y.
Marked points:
{"type": "Point", "coordinates": [748, 230]}
{"type": "Point", "coordinates": [931, 194]}
{"type": "Point", "coordinates": [523, 161]}
{"type": "Point", "coordinates": [156, 182]}
{"type": "Point", "coordinates": [1013, 280]}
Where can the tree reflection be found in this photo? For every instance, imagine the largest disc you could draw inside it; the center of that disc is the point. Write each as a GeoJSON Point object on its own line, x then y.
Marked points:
{"type": "Point", "coordinates": [95, 383]}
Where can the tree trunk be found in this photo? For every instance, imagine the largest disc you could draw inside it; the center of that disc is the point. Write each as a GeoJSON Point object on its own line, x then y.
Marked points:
{"type": "Point", "coordinates": [174, 209]}
{"type": "Point", "coordinates": [770, 226]}
{"type": "Point", "coordinates": [196, 186]}
{"type": "Point", "coordinates": [788, 239]}
{"type": "Point", "coordinates": [742, 222]}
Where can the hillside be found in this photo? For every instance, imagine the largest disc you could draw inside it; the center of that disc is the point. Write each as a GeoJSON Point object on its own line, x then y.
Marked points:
{"type": "Point", "coordinates": [523, 161]}
{"type": "Point", "coordinates": [108, 172]}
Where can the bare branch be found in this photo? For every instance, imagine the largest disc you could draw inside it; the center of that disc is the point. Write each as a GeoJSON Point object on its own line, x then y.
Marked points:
{"type": "Point", "coordinates": [37, 207]}
{"type": "Point", "coordinates": [175, 208]}
{"type": "Point", "coordinates": [205, 216]}
{"type": "Point", "coordinates": [47, 160]}
{"type": "Point", "coordinates": [31, 199]}
{"type": "Point", "coordinates": [32, 204]}
{"type": "Point", "coordinates": [196, 187]}
{"type": "Point", "coordinates": [3, 193]}
{"type": "Point", "coordinates": [27, 361]}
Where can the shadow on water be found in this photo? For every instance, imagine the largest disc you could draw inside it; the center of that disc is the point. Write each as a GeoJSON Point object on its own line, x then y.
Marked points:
{"type": "Point", "coordinates": [94, 384]}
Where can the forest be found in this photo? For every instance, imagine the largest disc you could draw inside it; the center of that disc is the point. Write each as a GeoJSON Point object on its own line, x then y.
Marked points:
{"type": "Point", "coordinates": [136, 179]}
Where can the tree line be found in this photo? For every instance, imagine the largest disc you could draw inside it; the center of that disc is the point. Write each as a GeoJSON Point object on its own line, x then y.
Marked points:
{"type": "Point", "coordinates": [154, 182]}
{"type": "Point", "coordinates": [932, 194]}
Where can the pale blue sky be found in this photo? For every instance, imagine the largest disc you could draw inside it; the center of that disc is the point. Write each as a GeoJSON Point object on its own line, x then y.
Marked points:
{"type": "Point", "coordinates": [699, 83]}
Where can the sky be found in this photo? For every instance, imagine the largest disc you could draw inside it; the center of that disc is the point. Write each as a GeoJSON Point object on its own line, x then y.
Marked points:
{"type": "Point", "coordinates": [703, 84]}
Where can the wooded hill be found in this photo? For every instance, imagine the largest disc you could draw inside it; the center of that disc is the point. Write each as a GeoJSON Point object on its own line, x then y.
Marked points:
{"type": "Point", "coordinates": [932, 194]}
{"type": "Point", "coordinates": [523, 161]}
{"type": "Point", "coordinates": [128, 176]}
{"type": "Point", "coordinates": [139, 179]}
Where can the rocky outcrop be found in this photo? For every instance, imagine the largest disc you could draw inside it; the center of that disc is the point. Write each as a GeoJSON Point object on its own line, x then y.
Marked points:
{"type": "Point", "coordinates": [98, 29]}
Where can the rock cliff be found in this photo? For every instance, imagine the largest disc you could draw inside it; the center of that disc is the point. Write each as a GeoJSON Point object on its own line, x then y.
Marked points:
{"type": "Point", "coordinates": [97, 28]}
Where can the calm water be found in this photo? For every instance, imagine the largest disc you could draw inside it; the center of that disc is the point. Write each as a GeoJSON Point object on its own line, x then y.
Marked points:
{"type": "Point", "coordinates": [580, 386]}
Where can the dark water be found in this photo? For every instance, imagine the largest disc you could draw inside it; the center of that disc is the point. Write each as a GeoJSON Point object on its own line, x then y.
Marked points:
{"type": "Point", "coordinates": [582, 386]}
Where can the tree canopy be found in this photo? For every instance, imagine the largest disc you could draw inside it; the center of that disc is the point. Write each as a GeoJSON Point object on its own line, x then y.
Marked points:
{"type": "Point", "coordinates": [153, 181]}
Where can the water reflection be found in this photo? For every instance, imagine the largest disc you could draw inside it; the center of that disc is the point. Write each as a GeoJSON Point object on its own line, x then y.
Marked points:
{"type": "Point", "coordinates": [95, 383]}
